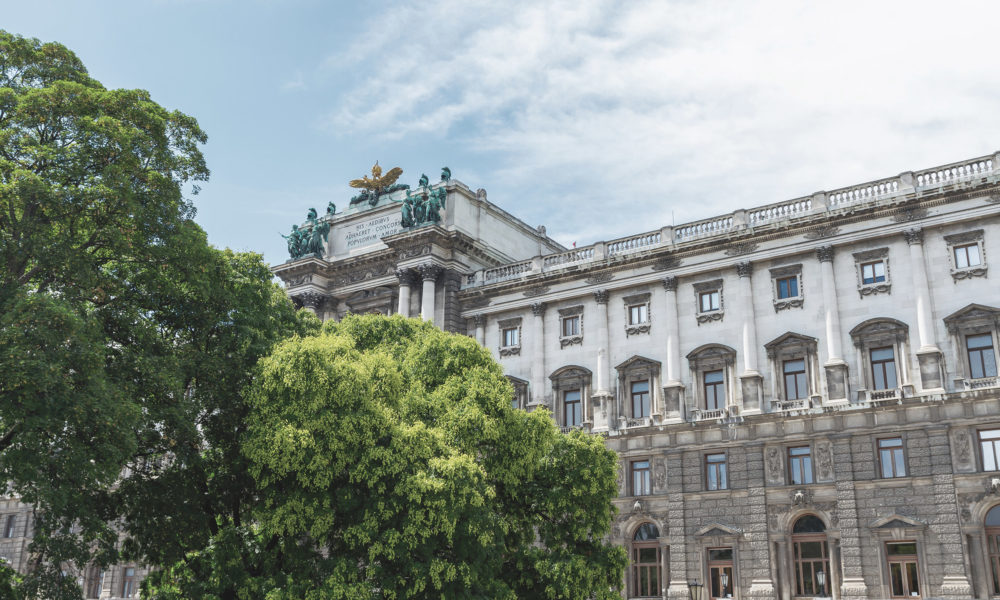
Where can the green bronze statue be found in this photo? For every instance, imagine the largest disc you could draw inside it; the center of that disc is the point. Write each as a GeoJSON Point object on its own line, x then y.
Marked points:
{"type": "Point", "coordinates": [445, 174]}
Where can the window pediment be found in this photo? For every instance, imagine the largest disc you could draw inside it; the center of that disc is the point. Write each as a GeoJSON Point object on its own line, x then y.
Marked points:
{"type": "Point", "coordinates": [711, 355]}
{"type": "Point", "coordinates": [639, 363]}
{"type": "Point", "coordinates": [718, 530]}
{"type": "Point", "coordinates": [973, 316]}
{"type": "Point", "coordinates": [897, 522]}
{"type": "Point", "coordinates": [791, 343]}
{"type": "Point", "coordinates": [879, 330]}
{"type": "Point", "coordinates": [570, 377]}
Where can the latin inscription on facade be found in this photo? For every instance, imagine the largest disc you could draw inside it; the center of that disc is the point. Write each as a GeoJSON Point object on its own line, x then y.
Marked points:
{"type": "Point", "coordinates": [366, 233]}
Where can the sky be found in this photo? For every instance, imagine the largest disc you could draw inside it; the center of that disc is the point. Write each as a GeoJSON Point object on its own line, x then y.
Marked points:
{"type": "Point", "coordinates": [597, 119]}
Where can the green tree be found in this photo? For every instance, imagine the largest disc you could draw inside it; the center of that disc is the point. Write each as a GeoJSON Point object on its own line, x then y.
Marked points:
{"type": "Point", "coordinates": [125, 339]}
{"type": "Point", "coordinates": [390, 464]}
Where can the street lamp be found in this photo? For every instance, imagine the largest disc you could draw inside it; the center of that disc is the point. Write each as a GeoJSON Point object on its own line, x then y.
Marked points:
{"type": "Point", "coordinates": [696, 590]}
{"type": "Point", "coordinates": [724, 580]}
{"type": "Point", "coordinates": [821, 580]}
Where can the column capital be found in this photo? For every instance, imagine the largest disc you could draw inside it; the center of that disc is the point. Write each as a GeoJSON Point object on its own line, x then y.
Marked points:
{"type": "Point", "coordinates": [430, 271]}
{"type": "Point", "coordinates": [311, 300]}
{"type": "Point", "coordinates": [601, 296]}
{"type": "Point", "coordinates": [670, 283]}
{"type": "Point", "coordinates": [744, 269]}
{"type": "Point", "coordinates": [406, 276]}
{"type": "Point", "coordinates": [538, 309]}
{"type": "Point", "coordinates": [479, 320]}
{"type": "Point", "coordinates": [824, 253]}
{"type": "Point", "coordinates": [914, 236]}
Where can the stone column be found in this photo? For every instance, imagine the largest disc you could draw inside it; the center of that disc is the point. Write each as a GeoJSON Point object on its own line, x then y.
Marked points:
{"type": "Point", "coordinates": [761, 584]}
{"type": "Point", "coordinates": [852, 582]}
{"type": "Point", "coordinates": [750, 380]}
{"type": "Point", "coordinates": [602, 399]}
{"type": "Point", "coordinates": [929, 356]}
{"type": "Point", "coordinates": [673, 390]}
{"type": "Point", "coordinates": [406, 279]}
{"type": "Point", "coordinates": [480, 329]}
{"type": "Point", "coordinates": [538, 354]}
{"type": "Point", "coordinates": [679, 575]}
{"type": "Point", "coordinates": [429, 273]}
{"type": "Point", "coordinates": [835, 367]}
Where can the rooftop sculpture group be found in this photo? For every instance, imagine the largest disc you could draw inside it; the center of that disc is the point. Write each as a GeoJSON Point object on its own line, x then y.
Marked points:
{"type": "Point", "coordinates": [422, 207]}
{"type": "Point", "coordinates": [310, 238]}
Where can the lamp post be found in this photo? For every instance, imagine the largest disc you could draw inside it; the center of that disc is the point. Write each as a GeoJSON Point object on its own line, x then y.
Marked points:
{"type": "Point", "coordinates": [724, 580]}
{"type": "Point", "coordinates": [696, 590]}
{"type": "Point", "coordinates": [821, 580]}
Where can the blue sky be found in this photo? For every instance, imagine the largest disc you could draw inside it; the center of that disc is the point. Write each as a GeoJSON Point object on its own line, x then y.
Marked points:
{"type": "Point", "coordinates": [597, 119]}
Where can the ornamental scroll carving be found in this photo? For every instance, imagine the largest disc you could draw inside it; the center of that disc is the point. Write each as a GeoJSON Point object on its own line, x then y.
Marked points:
{"type": "Point", "coordinates": [665, 263]}
{"type": "Point", "coordinates": [599, 278]}
{"type": "Point", "coordinates": [300, 280]}
{"type": "Point", "coordinates": [824, 462]}
{"type": "Point", "coordinates": [905, 215]}
{"type": "Point", "coordinates": [821, 232]}
{"type": "Point", "coordinates": [774, 466]}
{"type": "Point", "coordinates": [535, 291]}
{"type": "Point", "coordinates": [961, 445]}
{"type": "Point", "coordinates": [741, 248]}
{"type": "Point", "coordinates": [660, 475]}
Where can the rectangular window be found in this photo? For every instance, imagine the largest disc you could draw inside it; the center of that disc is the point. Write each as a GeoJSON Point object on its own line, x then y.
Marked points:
{"type": "Point", "coordinates": [709, 301]}
{"type": "Point", "coordinates": [982, 359]}
{"type": "Point", "coordinates": [641, 482]}
{"type": "Point", "coordinates": [8, 529]}
{"type": "Point", "coordinates": [128, 582]}
{"type": "Point", "coordinates": [873, 272]}
{"type": "Point", "coordinates": [989, 449]}
{"type": "Point", "coordinates": [795, 379]}
{"type": "Point", "coordinates": [715, 472]}
{"type": "Point", "coordinates": [572, 416]}
{"type": "Point", "coordinates": [788, 287]}
{"type": "Point", "coordinates": [638, 314]}
{"type": "Point", "coordinates": [800, 470]}
{"type": "Point", "coordinates": [571, 326]}
{"type": "Point", "coordinates": [904, 580]}
{"type": "Point", "coordinates": [720, 573]}
{"type": "Point", "coordinates": [883, 368]}
{"type": "Point", "coordinates": [640, 399]}
{"type": "Point", "coordinates": [715, 390]}
{"type": "Point", "coordinates": [511, 337]}
{"type": "Point", "coordinates": [95, 582]}
{"type": "Point", "coordinates": [967, 256]}
{"type": "Point", "coordinates": [890, 458]}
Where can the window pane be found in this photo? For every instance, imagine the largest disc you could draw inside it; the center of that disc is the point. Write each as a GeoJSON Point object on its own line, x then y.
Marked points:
{"type": "Point", "coordinates": [811, 549]}
{"type": "Point", "coordinates": [911, 576]}
{"type": "Point", "coordinates": [900, 465]}
{"type": "Point", "coordinates": [716, 377]}
{"type": "Point", "coordinates": [973, 253]}
{"type": "Point", "coordinates": [961, 257]}
{"type": "Point", "coordinates": [902, 549]}
{"type": "Point", "coordinates": [882, 354]}
{"type": "Point", "coordinates": [640, 386]}
{"type": "Point", "coordinates": [720, 554]}
{"type": "Point", "coordinates": [896, 578]}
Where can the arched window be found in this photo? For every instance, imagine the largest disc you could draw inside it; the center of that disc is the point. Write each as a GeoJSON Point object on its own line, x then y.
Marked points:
{"type": "Point", "coordinates": [646, 561]}
{"type": "Point", "coordinates": [993, 544]}
{"type": "Point", "coordinates": [811, 557]}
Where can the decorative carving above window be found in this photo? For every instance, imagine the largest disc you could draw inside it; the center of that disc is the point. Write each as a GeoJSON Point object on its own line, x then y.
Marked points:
{"type": "Point", "coordinates": [637, 317]}
{"type": "Point", "coordinates": [510, 336]}
{"type": "Point", "coordinates": [570, 326]}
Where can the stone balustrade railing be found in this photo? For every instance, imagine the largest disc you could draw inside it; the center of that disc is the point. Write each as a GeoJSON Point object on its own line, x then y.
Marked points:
{"type": "Point", "coordinates": [851, 197]}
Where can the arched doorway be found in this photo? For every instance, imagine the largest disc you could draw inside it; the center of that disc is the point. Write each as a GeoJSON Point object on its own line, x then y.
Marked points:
{"type": "Point", "coordinates": [646, 561]}
{"type": "Point", "coordinates": [993, 547]}
{"type": "Point", "coordinates": [811, 558]}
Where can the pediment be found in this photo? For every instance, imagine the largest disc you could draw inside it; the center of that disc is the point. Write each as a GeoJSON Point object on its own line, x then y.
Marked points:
{"type": "Point", "coordinates": [638, 362]}
{"type": "Point", "coordinates": [791, 339]}
{"type": "Point", "coordinates": [879, 325]}
{"type": "Point", "coordinates": [718, 530]}
{"type": "Point", "coordinates": [570, 372]}
{"type": "Point", "coordinates": [973, 314]}
{"type": "Point", "coordinates": [897, 522]}
{"type": "Point", "coordinates": [711, 351]}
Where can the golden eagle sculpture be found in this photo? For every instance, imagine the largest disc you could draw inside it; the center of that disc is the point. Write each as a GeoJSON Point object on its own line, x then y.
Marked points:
{"type": "Point", "coordinates": [377, 186]}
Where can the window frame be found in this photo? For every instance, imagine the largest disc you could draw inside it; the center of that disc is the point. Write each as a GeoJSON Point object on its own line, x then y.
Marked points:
{"type": "Point", "coordinates": [637, 568]}
{"type": "Point", "coordinates": [982, 359]}
{"type": "Point", "coordinates": [577, 410]}
{"type": "Point", "coordinates": [800, 564]}
{"type": "Point", "coordinates": [509, 325]}
{"type": "Point", "coordinates": [10, 526]}
{"type": "Point", "coordinates": [869, 257]}
{"type": "Point", "coordinates": [973, 320]}
{"type": "Point", "coordinates": [714, 286]}
{"type": "Point", "coordinates": [893, 450]}
{"type": "Point", "coordinates": [646, 404]}
{"type": "Point", "coordinates": [804, 460]}
{"type": "Point", "coordinates": [799, 394]}
{"type": "Point", "coordinates": [570, 314]}
{"type": "Point", "coordinates": [571, 378]}
{"type": "Point", "coordinates": [872, 362]}
{"type": "Point", "coordinates": [634, 370]}
{"type": "Point", "coordinates": [716, 387]}
{"type": "Point", "coordinates": [903, 559]}
{"type": "Point", "coordinates": [708, 358]}
{"type": "Point", "coordinates": [875, 276]}
{"type": "Point", "coordinates": [128, 586]}
{"type": "Point", "coordinates": [787, 273]}
{"type": "Point", "coordinates": [964, 241]}
{"type": "Point", "coordinates": [994, 444]}
{"type": "Point", "coordinates": [712, 470]}
{"type": "Point", "coordinates": [876, 334]}
{"type": "Point", "coordinates": [641, 303]}
{"type": "Point", "coordinates": [788, 347]}
{"type": "Point", "coordinates": [645, 487]}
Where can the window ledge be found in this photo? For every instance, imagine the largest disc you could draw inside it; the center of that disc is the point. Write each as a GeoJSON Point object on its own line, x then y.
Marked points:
{"type": "Point", "coordinates": [637, 329]}
{"type": "Point", "coordinates": [968, 272]}
{"type": "Point", "coordinates": [569, 340]}
{"type": "Point", "coordinates": [786, 303]}
{"type": "Point", "coordinates": [510, 350]}
{"type": "Point", "coordinates": [715, 315]}
{"type": "Point", "coordinates": [872, 289]}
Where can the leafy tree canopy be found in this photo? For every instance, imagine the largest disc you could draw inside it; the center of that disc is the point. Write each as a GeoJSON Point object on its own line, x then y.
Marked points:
{"type": "Point", "coordinates": [390, 464]}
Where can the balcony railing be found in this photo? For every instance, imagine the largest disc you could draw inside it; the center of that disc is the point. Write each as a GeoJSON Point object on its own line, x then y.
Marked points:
{"type": "Point", "coordinates": [873, 193]}
{"type": "Point", "coordinates": [785, 405]}
{"type": "Point", "coordinates": [981, 383]}
{"type": "Point", "coordinates": [889, 395]}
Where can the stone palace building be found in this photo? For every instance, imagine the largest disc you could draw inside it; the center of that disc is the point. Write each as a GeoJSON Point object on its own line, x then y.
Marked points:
{"type": "Point", "coordinates": [804, 395]}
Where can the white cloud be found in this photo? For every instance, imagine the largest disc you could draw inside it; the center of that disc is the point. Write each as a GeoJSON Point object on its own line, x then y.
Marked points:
{"type": "Point", "coordinates": [690, 107]}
